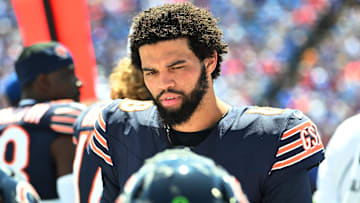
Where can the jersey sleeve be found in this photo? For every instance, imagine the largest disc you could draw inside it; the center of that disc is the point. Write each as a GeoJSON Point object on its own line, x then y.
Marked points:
{"type": "Point", "coordinates": [98, 143]}
{"type": "Point", "coordinates": [62, 117]}
{"type": "Point", "coordinates": [300, 146]}
{"type": "Point", "coordinates": [85, 122]}
{"type": "Point", "coordinates": [99, 148]}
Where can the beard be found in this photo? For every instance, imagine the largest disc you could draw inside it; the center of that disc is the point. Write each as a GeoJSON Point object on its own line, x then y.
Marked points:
{"type": "Point", "coordinates": [189, 104]}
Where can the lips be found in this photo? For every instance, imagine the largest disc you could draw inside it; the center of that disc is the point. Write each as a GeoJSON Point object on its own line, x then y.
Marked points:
{"type": "Point", "coordinates": [169, 100]}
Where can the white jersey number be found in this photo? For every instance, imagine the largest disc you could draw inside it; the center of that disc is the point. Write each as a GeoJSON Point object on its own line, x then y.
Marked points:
{"type": "Point", "coordinates": [20, 140]}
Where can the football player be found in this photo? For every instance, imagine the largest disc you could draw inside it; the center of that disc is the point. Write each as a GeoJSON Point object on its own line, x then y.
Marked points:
{"type": "Point", "coordinates": [339, 175]}
{"type": "Point", "coordinates": [125, 82]}
{"type": "Point", "coordinates": [36, 136]}
{"type": "Point", "coordinates": [179, 49]}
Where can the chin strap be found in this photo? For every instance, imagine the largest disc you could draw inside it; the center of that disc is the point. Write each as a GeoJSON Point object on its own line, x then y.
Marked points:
{"type": "Point", "coordinates": [65, 188]}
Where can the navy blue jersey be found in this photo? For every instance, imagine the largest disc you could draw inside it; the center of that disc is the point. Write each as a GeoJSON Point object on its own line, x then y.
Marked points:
{"type": "Point", "coordinates": [268, 150]}
{"type": "Point", "coordinates": [87, 172]}
{"type": "Point", "coordinates": [26, 133]}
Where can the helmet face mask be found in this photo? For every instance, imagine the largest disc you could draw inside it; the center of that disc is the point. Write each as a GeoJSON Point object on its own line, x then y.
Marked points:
{"type": "Point", "coordinates": [180, 176]}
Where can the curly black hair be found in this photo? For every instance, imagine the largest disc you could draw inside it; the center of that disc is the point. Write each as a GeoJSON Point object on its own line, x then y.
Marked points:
{"type": "Point", "coordinates": [179, 20]}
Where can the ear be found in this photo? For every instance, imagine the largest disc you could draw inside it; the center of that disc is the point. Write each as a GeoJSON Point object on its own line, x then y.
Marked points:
{"type": "Point", "coordinates": [210, 62]}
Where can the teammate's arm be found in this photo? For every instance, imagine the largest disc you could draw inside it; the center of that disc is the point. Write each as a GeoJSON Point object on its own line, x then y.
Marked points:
{"type": "Point", "coordinates": [62, 150]}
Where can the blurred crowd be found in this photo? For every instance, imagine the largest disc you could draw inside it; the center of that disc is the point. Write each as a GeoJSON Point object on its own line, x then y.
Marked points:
{"type": "Point", "coordinates": [262, 35]}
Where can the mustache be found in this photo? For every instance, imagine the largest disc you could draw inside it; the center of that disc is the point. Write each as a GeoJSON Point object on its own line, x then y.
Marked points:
{"type": "Point", "coordinates": [169, 91]}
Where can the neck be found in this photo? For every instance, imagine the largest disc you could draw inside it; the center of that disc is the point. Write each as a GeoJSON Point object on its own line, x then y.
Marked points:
{"type": "Point", "coordinates": [210, 110]}
{"type": "Point", "coordinates": [34, 97]}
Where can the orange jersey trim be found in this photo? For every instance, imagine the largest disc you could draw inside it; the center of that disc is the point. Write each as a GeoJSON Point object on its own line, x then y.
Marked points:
{"type": "Point", "coordinates": [62, 129]}
{"type": "Point", "coordinates": [291, 146]}
{"type": "Point", "coordinates": [101, 122]}
{"type": "Point", "coordinates": [67, 110]}
{"type": "Point", "coordinates": [90, 117]}
{"type": "Point", "coordinates": [96, 176]}
{"type": "Point", "coordinates": [100, 139]}
{"type": "Point", "coordinates": [295, 130]}
{"type": "Point", "coordinates": [74, 140]}
{"type": "Point", "coordinates": [297, 158]}
{"type": "Point", "coordinates": [63, 119]}
{"type": "Point", "coordinates": [98, 152]}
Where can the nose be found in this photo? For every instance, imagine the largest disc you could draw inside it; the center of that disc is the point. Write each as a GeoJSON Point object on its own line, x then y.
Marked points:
{"type": "Point", "coordinates": [166, 81]}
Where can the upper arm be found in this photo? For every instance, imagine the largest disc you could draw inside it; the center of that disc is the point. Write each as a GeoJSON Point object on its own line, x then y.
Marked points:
{"type": "Point", "coordinates": [63, 151]}
{"type": "Point", "coordinates": [61, 119]}
{"type": "Point", "coordinates": [299, 146]}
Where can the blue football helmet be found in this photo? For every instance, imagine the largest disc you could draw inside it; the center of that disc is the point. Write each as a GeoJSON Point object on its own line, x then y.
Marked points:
{"type": "Point", "coordinates": [15, 190]}
{"type": "Point", "coordinates": [181, 176]}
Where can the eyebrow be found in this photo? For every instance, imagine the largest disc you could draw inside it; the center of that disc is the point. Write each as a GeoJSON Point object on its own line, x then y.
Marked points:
{"type": "Point", "coordinates": [147, 69]}
{"type": "Point", "coordinates": [175, 63]}
{"type": "Point", "coordinates": [168, 66]}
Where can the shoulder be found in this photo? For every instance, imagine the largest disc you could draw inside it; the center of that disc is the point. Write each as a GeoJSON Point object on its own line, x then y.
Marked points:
{"type": "Point", "coordinates": [122, 116]}
{"type": "Point", "coordinates": [65, 107]}
{"type": "Point", "coordinates": [118, 121]}
{"type": "Point", "coordinates": [271, 113]}
{"type": "Point", "coordinates": [127, 110]}
{"type": "Point", "coordinates": [59, 115]}
{"type": "Point", "coordinates": [57, 107]}
{"type": "Point", "coordinates": [6, 111]}
{"type": "Point", "coordinates": [87, 118]}
{"type": "Point", "coordinates": [269, 120]}
{"type": "Point", "coordinates": [299, 145]}
{"type": "Point", "coordinates": [6, 114]}
{"type": "Point", "coordinates": [295, 138]}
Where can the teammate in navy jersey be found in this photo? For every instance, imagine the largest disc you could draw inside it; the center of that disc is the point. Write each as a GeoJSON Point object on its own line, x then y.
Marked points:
{"type": "Point", "coordinates": [125, 82]}
{"type": "Point", "coordinates": [13, 189]}
{"type": "Point", "coordinates": [179, 49]}
{"type": "Point", "coordinates": [36, 136]}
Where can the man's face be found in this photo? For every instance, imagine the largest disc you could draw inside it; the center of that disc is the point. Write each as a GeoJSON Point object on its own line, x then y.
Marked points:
{"type": "Point", "coordinates": [175, 77]}
{"type": "Point", "coordinates": [65, 84]}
